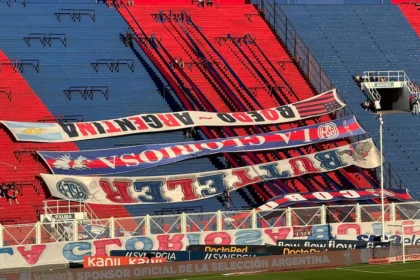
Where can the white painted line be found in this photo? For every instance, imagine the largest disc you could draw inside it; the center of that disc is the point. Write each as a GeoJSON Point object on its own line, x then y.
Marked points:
{"type": "Point", "coordinates": [385, 264]}
{"type": "Point", "coordinates": [244, 273]}
{"type": "Point", "coordinates": [206, 277]}
{"type": "Point", "coordinates": [379, 272]}
{"type": "Point", "coordinates": [357, 270]}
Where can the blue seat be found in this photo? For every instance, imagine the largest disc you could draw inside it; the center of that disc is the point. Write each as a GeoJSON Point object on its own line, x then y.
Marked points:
{"type": "Point", "coordinates": [130, 93]}
{"type": "Point", "coordinates": [362, 38]}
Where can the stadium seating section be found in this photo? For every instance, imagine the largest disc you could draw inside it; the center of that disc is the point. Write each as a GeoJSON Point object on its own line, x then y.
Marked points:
{"type": "Point", "coordinates": [412, 13]}
{"type": "Point", "coordinates": [233, 62]}
{"type": "Point", "coordinates": [350, 39]}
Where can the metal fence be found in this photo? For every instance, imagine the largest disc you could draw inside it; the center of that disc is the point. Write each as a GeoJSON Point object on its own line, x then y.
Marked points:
{"type": "Point", "coordinates": [87, 229]}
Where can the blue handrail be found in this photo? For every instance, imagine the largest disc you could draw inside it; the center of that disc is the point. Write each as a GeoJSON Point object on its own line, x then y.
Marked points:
{"type": "Point", "coordinates": [307, 185]}
{"type": "Point", "coordinates": [157, 44]}
{"type": "Point", "coordinates": [217, 77]}
{"type": "Point", "coordinates": [275, 70]}
{"type": "Point", "coordinates": [231, 94]}
{"type": "Point", "coordinates": [343, 177]}
{"type": "Point", "coordinates": [260, 75]}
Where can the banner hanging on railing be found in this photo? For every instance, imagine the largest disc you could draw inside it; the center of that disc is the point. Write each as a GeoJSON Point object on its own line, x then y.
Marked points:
{"type": "Point", "coordinates": [334, 196]}
{"type": "Point", "coordinates": [195, 186]}
{"type": "Point", "coordinates": [120, 160]}
{"type": "Point", "coordinates": [322, 104]}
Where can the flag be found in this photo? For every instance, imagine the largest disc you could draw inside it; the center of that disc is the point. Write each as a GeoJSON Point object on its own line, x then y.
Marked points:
{"type": "Point", "coordinates": [318, 106]}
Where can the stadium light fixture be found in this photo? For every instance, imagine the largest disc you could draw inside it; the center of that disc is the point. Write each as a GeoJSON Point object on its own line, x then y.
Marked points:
{"type": "Point", "coordinates": [382, 175]}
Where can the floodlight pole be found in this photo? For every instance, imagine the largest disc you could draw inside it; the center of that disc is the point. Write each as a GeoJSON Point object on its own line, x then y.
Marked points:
{"type": "Point", "coordinates": [382, 175]}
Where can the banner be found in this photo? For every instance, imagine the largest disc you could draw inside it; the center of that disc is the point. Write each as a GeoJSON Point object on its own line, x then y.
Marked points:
{"type": "Point", "coordinates": [118, 261]}
{"type": "Point", "coordinates": [384, 252]}
{"type": "Point", "coordinates": [31, 255]}
{"type": "Point", "coordinates": [195, 186]}
{"type": "Point", "coordinates": [195, 256]}
{"type": "Point", "coordinates": [322, 104]}
{"type": "Point", "coordinates": [283, 250]}
{"type": "Point", "coordinates": [170, 270]}
{"type": "Point", "coordinates": [331, 244]}
{"type": "Point", "coordinates": [120, 160]}
{"type": "Point", "coordinates": [170, 256]}
{"type": "Point", "coordinates": [228, 249]}
{"type": "Point", "coordinates": [334, 196]}
{"type": "Point", "coordinates": [175, 256]}
{"type": "Point", "coordinates": [246, 249]}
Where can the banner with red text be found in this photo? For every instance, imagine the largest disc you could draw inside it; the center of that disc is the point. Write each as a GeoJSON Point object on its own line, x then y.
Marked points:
{"type": "Point", "coordinates": [322, 104]}
{"type": "Point", "coordinates": [126, 159]}
{"type": "Point", "coordinates": [106, 261]}
{"type": "Point", "coordinates": [334, 196]}
{"type": "Point", "coordinates": [195, 186]}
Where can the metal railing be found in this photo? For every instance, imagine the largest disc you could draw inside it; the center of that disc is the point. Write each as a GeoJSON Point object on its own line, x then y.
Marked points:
{"type": "Point", "coordinates": [373, 91]}
{"type": "Point", "coordinates": [63, 206]}
{"type": "Point", "coordinates": [92, 229]}
{"type": "Point", "coordinates": [371, 77]}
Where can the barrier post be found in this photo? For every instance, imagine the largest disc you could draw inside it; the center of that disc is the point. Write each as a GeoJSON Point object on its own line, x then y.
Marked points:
{"type": "Point", "coordinates": [393, 215]}
{"type": "Point", "coordinates": [219, 220]}
{"type": "Point", "coordinates": [1, 236]}
{"type": "Point", "coordinates": [253, 219]}
{"type": "Point", "coordinates": [111, 227]}
{"type": "Point", "coordinates": [183, 222]}
{"type": "Point", "coordinates": [358, 213]}
{"type": "Point", "coordinates": [38, 233]}
{"type": "Point", "coordinates": [323, 215]}
{"type": "Point", "coordinates": [289, 222]}
{"type": "Point", "coordinates": [75, 230]}
{"type": "Point", "coordinates": [147, 224]}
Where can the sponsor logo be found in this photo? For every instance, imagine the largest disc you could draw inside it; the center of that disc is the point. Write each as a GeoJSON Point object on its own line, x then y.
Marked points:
{"type": "Point", "coordinates": [302, 231]}
{"type": "Point", "coordinates": [58, 275]}
{"type": "Point", "coordinates": [288, 251]}
{"type": "Point", "coordinates": [328, 131]}
{"type": "Point", "coordinates": [330, 244]}
{"type": "Point", "coordinates": [169, 256]}
{"type": "Point", "coordinates": [73, 190]}
{"type": "Point", "coordinates": [118, 261]}
{"type": "Point", "coordinates": [227, 249]}
{"type": "Point", "coordinates": [212, 256]}
{"type": "Point", "coordinates": [379, 261]}
{"type": "Point", "coordinates": [413, 257]}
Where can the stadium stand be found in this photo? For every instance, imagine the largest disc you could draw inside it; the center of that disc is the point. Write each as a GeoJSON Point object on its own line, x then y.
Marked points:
{"type": "Point", "coordinates": [411, 11]}
{"type": "Point", "coordinates": [208, 40]}
{"type": "Point", "coordinates": [17, 163]}
{"type": "Point", "coordinates": [94, 39]}
{"type": "Point", "coordinates": [74, 59]}
{"type": "Point", "coordinates": [350, 39]}
{"type": "Point", "coordinates": [83, 60]}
